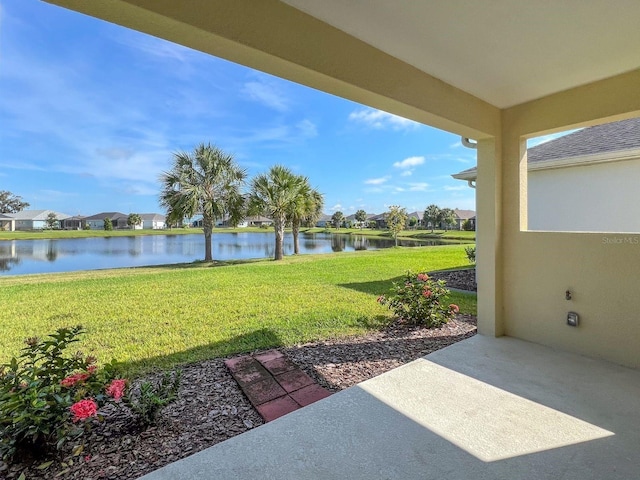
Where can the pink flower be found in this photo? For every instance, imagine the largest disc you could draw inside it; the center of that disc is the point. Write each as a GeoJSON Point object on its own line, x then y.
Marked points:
{"type": "Point", "coordinates": [87, 458]}
{"type": "Point", "coordinates": [423, 277]}
{"type": "Point", "coordinates": [71, 380]}
{"type": "Point", "coordinates": [116, 388]}
{"type": "Point", "coordinates": [426, 293]}
{"type": "Point", "coordinates": [84, 409]}
{"type": "Point", "coordinates": [92, 369]}
{"type": "Point", "coordinates": [454, 308]}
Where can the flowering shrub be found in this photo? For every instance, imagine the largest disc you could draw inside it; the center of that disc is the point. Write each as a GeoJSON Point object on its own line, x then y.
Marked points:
{"type": "Point", "coordinates": [47, 397]}
{"type": "Point", "coordinates": [419, 300]}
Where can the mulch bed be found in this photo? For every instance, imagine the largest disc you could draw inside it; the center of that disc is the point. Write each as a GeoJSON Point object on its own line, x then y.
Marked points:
{"type": "Point", "coordinates": [461, 279]}
{"type": "Point", "coordinates": [211, 407]}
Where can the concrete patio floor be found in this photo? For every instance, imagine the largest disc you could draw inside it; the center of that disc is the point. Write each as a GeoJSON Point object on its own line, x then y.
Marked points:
{"type": "Point", "coordinates": [484, 408]}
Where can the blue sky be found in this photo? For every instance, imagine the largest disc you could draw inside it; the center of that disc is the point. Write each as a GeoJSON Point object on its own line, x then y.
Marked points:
{"type": "Point", "coordinates": [90, 114]}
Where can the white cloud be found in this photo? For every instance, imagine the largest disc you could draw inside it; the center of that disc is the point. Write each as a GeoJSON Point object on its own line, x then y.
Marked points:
{"type": "Point", "coordinates": [267, 94]}
{"type": "Point", "coordinates": [335, 208]}
{"type": "Point", "coordinates": [418, 187]}
{"type": "Point", "coordinates": [307, 128]}
{"type": "Point", "coordinates": [406, 173]}
{"type": "Point", "coordinates": [379, 120]}
{"type": "Point", "coordinates": [449, 188]}
{"type": "Point", "coordinates": [376, 181]}
{"type": "Point", "coordinates": [409, 162]}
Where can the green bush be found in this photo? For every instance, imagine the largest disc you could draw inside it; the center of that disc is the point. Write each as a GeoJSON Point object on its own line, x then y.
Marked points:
{"type": "Point", "coordinates": [47, 397]}
{"type": "Point", "coordinates": [151, 397]}
{"type": "Point", "coordinates": [419, 300]}
{"type": "Point", "coordinates": [471, 254]}
{"type": "Point", "coordinates": [468, 225]}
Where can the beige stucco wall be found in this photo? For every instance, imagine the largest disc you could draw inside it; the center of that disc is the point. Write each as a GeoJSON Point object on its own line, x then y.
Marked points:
{"type": "Point", "coordinates": [601, 270]}
{"type": "Point", "coordinates": [585, 198]}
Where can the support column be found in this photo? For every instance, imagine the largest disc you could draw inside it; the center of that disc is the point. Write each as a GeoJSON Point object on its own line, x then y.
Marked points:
{"type": "Point", "coordinates": [489, 237]}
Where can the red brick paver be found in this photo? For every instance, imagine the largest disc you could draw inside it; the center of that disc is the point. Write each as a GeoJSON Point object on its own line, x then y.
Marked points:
{"type": "Point", "coordinates": [274, 384]}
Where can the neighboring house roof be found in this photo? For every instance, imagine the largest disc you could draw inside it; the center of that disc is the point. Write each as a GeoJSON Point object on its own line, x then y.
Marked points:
{"type": "Point", "coordinates": [5, 217]}
{"type": "Point", "coordinates": [324, 218]}
{"type": "Point", "coordinates": [417, 215]}
{"type": "Point", "coordinates": [110, 215]}
{"type": "Point", "coordinates": [588, 142]}
{"type": "Point", "coordinates": [36, 215]}
{"type": "Point", "coordinates": [155, 217]}
{"type": "Point", "coordinates": [465, 214]}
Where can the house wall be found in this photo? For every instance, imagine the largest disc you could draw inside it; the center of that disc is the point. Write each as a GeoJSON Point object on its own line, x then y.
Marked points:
{"type": "Point", "coordinates": [588, 198]}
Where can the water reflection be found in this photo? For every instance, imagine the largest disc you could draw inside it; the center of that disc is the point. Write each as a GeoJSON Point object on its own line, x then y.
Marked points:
{"type": "Point", "coordinates": [62, 255]}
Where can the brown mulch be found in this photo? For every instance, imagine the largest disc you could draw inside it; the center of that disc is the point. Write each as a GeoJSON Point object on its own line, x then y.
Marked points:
{"type": "Point", "coordinates": [461, 279]}
{"type": "Point", "coordinates": [211, 407]}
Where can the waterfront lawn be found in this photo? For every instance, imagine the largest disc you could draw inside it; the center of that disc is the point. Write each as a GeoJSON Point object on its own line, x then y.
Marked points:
{"type": "Point", "coordinates": [59, 234]}
{"type": "Point", "coordinates": [163, 316]}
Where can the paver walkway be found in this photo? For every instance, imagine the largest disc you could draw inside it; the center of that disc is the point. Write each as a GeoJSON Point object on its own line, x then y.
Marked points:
{"type": "Point", "coordinates": [274, 384]}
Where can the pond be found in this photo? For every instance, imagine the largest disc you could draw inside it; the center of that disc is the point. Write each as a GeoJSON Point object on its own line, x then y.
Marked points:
{"type": "Point", "coordinates": [18, 257]}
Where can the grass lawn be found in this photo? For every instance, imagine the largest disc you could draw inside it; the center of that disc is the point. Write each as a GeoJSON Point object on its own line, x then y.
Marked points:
{"type": "Point", "coordinates": [162, 316]}
{"type": "Point", "coordinates": [417, 234]}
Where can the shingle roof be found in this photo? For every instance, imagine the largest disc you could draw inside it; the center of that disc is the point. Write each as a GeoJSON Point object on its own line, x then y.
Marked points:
{"type": "Point", "coordinates": [608, 137]}
{"type": "Point", "coordinates": [465, 214]}
{"type": "Point", "coordinates": [103, 215]}
{"type": "Point", "coordinates": [36, 215]}
{"type": "Point", "coordinates": [152, 217]}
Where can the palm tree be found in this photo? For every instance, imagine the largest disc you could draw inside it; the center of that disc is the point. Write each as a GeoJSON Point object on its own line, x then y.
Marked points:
{"type": "Point", "coordinates": [207, 181]}
{"type": "Point", "coordinates": [307, 208]}
{"type": "Point", "coordinates": [274, 194]}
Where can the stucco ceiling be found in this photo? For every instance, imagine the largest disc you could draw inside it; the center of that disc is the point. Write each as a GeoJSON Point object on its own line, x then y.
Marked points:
{"type": "Point", "coordinates": [505, 52]}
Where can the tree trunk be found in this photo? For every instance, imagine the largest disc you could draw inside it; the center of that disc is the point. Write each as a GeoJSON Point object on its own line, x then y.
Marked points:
{"type": "Point", "coordinates": [295, 228]}
{"type": "Point", "coordinates": [207, 226]}
{"type": "Point", "coordinates": [278, 224]}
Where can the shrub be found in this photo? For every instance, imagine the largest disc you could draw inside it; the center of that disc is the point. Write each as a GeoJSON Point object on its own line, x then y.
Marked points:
{"type": "Point", "coordinates": [468, 225]}
{"type": "Point", "coordinates": [151, 397]}
{"type": "Point", "coordinates": [471, 254]}
{"type": "Point", "coordinates": [419, 300]}
{"type": "Point", "coordinates": [47, 397]}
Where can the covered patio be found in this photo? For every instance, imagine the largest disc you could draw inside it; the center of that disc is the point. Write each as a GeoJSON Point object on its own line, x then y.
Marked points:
{"type": "Point", "coordinates": [498, 73]}
{"type": "Point", "coordinates": [484, 408]}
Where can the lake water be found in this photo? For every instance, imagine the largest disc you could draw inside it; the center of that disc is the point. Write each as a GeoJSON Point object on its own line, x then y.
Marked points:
{"type": "Point", "coordinates": [18, 257]}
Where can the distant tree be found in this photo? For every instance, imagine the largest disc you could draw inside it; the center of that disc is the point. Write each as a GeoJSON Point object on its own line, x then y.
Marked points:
{"type": "Point", "coordinates": [306, 208]}
{"type": "Point", "coordinates": [448, 218]}
{"type": "Point", "coordinates": [432, 216]}
{"type": "Point", "coordinates": [275, 194]}
{"type": "Point", "coordinates": [10, 203]}
{"type": "Point", "coordinates": [396, 219]}
{"type": "Point", "coordinates": [468, 225]}
{"type": "Point", "coordinates": [413, 221]}
{"type": "Point", "coordinates": [86, 227]}
{"type": "Point", "coordinates": [133, 220]}
{"type": "Point", "coordinates": [51, 221]}
{"type": "Point", "coordinates": [361, 217]}
{"type": "Point", "coordinates": [108, 224]}
{"type": "Point", "coordinates": [207, 181]}
{"type": "Point", "coordinates": [337, 218]}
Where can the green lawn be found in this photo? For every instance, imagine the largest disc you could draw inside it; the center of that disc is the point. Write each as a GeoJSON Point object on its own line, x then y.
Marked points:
{"type": "Point", "coordinates": [158, 317]}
